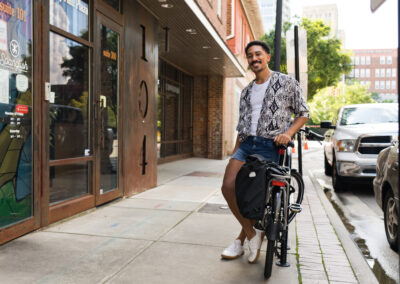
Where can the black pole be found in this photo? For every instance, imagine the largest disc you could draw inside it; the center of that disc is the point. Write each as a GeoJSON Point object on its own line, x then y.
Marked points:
{"type": "Point", "coordinates": [297, 76]}
{"type": "Point", "coordinates": [278, 33]}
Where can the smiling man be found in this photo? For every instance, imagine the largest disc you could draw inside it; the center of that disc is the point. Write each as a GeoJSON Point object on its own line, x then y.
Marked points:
{"type": "Point", "coordinates": [266, 107]}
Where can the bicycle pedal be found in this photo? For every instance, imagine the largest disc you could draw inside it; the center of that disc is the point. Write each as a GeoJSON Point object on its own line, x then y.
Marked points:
{"type": "Point", "coordinates": [295, 207]}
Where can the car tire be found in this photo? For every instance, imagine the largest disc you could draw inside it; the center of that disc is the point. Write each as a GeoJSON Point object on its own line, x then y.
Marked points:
{"type": "Point", "coordinates": [390, 214]}
{"type": "Point", "coordinates": [327, 167]}
{"type": "Point", "coordinates": [337, 181]}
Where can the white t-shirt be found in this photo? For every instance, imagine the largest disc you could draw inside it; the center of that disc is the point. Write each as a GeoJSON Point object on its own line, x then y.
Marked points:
{"type": "Point", "coordinates": [256, 101]}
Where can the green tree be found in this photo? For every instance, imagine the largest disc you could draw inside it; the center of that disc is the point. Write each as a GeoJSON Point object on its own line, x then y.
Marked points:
{"type": "Point", "coordinates": [327, 101]}
{"type": "Point", "coordinates": [326, 61]}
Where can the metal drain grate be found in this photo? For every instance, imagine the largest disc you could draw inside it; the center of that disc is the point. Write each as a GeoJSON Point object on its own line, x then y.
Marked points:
{"type": "Point", "coordinates": [205, 174]}
{"type": "Point", "coordinates": [212, 208]}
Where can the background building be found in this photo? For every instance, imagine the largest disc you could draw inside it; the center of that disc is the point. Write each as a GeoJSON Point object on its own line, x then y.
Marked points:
{"type": "Point", "coordinates": [268, 13]}
{"type": "Point", "coordinates": [329, 16]}
{"type": "Point", "coordinates": [376, 68]}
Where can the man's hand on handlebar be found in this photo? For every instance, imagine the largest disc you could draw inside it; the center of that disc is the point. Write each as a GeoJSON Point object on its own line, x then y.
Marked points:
{"type": "Point", "coordinates": [282, 139]}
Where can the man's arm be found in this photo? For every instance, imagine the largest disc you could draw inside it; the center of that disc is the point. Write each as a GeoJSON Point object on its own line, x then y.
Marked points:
{"type": "Point", "coordinates": [284, 138]}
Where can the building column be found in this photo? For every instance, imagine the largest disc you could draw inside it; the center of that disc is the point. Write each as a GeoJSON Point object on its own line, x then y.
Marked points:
{"type": "Point", "coordinates": [200, 116]}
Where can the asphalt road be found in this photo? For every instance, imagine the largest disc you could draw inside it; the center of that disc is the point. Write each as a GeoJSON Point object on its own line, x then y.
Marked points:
{"type": "Point", "coordinates": [362, 216]}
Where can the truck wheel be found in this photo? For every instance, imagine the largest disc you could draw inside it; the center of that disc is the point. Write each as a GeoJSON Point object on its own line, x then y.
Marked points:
{"type": "Point", "coordinates": [327, 167]}
{"type": "Point", "coordinates": [390, 213]}
{"type": "Point", "coordinates": [337, 181]}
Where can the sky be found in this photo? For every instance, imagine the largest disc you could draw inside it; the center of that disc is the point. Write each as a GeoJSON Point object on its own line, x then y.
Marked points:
{"type": "Point", "coordinates": [363, 29]}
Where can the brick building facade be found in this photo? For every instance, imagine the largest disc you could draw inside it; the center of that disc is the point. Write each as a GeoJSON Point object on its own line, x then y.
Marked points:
{"type": "Point", "coordinates": [93, 108]}
{"type": "Point", "coordinates": [377, 69]}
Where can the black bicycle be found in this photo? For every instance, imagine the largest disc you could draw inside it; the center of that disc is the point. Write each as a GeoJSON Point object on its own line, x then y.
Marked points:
{"type": "Point", "coordinates": [285, 191]}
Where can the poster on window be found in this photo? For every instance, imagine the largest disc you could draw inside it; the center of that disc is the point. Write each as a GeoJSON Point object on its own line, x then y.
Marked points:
{"type": "Point", "coordinates": [15, 125]}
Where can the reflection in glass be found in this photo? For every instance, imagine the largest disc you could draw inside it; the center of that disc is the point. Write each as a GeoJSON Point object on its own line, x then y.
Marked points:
{"type": "Point", "coordinates": [69, 181]}
{"type": "Point", "coordinates": [71, 16]}
{"type": "Point", "coordinates": [16, 198]}
{"type": "Point", "coordinates": [69, 77]}
{"type": "Point", "coordinates": [116, 4]}
{"type": "Point", "coordinates": [109, 90]}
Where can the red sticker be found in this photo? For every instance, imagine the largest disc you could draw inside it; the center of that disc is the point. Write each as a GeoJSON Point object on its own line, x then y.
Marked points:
{"type": "Point", "coordinates": [22, 109]}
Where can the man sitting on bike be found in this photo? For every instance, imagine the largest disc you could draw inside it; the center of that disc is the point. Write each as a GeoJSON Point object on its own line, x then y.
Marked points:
{"type": "Point", "coordinates": [266, 107]}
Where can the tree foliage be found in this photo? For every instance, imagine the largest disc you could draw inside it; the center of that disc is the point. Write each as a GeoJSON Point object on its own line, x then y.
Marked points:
{"type": "Point", "coordinates": [326, 61]}
{"type": "Point", "coordinates": [329, 100]}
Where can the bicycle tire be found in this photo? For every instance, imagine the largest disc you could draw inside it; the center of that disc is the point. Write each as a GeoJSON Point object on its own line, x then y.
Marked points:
{"type": "Point", "coordinates": [269, 256]}
{"type": "Point", "coordinates": [296, 184]}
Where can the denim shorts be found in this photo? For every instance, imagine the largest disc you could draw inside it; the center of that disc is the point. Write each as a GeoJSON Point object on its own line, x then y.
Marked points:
{"type": "Point", "coordinates": [257, 145]}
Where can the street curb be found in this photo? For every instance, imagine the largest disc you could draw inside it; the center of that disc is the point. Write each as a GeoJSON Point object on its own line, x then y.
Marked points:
{"type": "Point", "coordinates": [356, 259]}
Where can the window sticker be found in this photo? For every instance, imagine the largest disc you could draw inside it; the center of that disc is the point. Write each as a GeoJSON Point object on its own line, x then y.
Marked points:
{"type": "Point", "coordinates": [3, 35]}
{"type": "Point", "coordinates": [22, 83]}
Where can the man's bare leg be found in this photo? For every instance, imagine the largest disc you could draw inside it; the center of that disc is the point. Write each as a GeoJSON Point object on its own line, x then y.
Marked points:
{"type": "Point", "coordinates": [228, 190]}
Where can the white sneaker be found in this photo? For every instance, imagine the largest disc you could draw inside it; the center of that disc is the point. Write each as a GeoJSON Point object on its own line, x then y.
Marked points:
{"type": "Point", "coordinates": [254, 246]}
{"type": "Point", "coordinates": [233, 251]}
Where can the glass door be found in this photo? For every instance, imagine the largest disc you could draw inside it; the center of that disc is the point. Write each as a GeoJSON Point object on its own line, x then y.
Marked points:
{"type": "Point", "coordinates": [107, 110]}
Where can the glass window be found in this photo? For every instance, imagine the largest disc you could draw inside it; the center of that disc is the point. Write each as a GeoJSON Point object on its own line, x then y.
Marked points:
{"type": "Point", "coordinates": [357, 60]}
{"type": "Point", "coordinates": [388, 72]}
{"type": "Point", "coordinates": [376, 85]}
{"type": "Point", "coordinates": [352, 73]}
{"type": "Point", "coordinates": [394, 72]}
{"type": "Point", "coordinates": [393, 85]}
{"type": "Point", "coordinates": [71, 16]}
{"type": "Point", "coordinates": [16, 93]}
{"type": "Point", "coordinates": [387, 85]}
{"type": "Point", "coordinates": [357, 73]}
{"type": "Point", "coordinates": [382, 60]}
{"type": "Point", "coordinates": [68, 181]}
{"type": "Point", "coordinates": [383, 72]}
{"type": "Point", "coordinates": [389, 60]}
{"type": "Point", "coordinates": [379, 113]}
{"type": "Point", "coordinates": [382, 85]}
{"type": "Point", "coordinates": [368, 60]}
{"type": "Point", "coordinates": [116, 4]}
{"type": "Point", "coordinates": [377, 73]}
{"type": "Point", "coordinates": [69, 78]}
{"type": "Point", "coordinates": [367, 73]}
{"type": "Point", "coordinates": [362, 83]}
{"type": "Point", "coordinates": [219, 8]}
{"type": "Point", "coordinates": [362, 60]}
{"type": "Point", "coordinates": [352, 59]}
{"type": "Point", "coordinates": [362, 73]}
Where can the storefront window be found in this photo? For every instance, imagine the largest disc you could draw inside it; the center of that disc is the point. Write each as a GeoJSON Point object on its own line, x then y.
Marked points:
{"type": "Point", "coordinates": [71, 16]}
{"type": "Point", "coordinates": [175, 112]}
{"type": "Point", "coordinates": [15, 111]}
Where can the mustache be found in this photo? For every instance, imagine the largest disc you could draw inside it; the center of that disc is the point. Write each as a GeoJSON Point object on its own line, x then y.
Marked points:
{"type": "Point", "coordinates": [254, 62]}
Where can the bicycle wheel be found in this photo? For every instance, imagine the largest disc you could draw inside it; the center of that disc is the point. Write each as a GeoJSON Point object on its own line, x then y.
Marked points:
{"type": "Point", "coordinates": [296, 192]}
{"type": "Point", "coordinates": [269, 258]}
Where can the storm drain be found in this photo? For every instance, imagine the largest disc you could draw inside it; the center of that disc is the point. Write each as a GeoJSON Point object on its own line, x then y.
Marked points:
{"type": "Point", "coordinates": [212, 208]}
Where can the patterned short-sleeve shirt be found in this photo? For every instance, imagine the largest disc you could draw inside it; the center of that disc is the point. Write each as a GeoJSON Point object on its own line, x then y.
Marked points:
{"type": "Point", "coordinates": [283, 97]}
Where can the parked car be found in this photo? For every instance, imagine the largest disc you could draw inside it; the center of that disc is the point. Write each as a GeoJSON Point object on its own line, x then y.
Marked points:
{"type": "Point", "coordinates": [386, 184]}
{"type": "Point", "coordinates": [354, 139]}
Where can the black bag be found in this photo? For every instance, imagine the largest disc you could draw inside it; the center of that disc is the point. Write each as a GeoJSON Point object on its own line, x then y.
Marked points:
{"type": "Point", "coordinates": [251, 186]}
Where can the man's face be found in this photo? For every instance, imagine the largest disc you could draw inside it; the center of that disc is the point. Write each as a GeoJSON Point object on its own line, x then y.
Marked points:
{"type": "Point", "coordinates": [257, 58]}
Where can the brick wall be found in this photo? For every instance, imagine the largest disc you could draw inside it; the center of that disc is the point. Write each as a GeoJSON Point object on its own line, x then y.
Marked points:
{"type": "Point", "coordinates": [208, 115]}
{"type": "Point", "coordinates": [215, 139]}
{"type": "Point", "coordinates": [200, 117]}
{"type": "Point", "coordinates": [209, 8]}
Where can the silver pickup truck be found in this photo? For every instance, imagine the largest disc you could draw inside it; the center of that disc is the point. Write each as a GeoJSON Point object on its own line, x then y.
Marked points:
{"type": "Point", "coordinates": [354, 139]}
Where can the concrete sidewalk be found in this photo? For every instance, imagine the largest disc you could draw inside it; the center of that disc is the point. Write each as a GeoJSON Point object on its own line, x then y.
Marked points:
{"type": "Point", "coordinates": [175, 233]}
